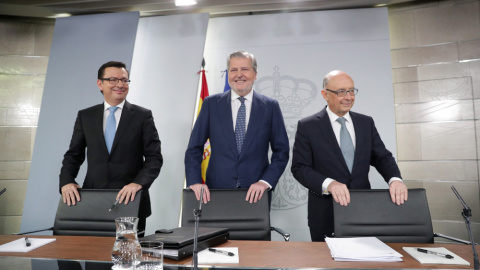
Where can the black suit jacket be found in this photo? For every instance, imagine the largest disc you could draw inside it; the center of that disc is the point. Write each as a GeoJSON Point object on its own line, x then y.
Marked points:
{"type": "Point", "coordinates": [317, 156]}
{"type": "Point", "coordinates": [135, 155]}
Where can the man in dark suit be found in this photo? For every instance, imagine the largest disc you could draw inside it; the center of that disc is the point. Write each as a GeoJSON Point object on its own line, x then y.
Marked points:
{"type": "Point", "coordinates": [329, 157]}
{"type": "Point", "coordinates": [241, 125]}
{"type": "Point", "coordinates": [123, 145]}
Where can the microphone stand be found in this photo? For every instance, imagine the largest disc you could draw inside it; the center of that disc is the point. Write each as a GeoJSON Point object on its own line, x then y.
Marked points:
{"type": "Point", "coordinates": [467, 213]}
{"type": "Point", "coordinates": [197, 213]}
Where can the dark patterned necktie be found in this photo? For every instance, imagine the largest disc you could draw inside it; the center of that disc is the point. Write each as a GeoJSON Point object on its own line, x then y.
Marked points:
{"type": "Point", "coordinates": [240, 125]}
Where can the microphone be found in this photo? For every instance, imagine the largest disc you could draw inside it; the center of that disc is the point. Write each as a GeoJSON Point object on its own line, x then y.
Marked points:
{"type": "Point", "coordinates": [197, 213]}
{"type": "Point", "coordinates": [467, 213]}
{"type": "Point", "coordinates": [3, 190]}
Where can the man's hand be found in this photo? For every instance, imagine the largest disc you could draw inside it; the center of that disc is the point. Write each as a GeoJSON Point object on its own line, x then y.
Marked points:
{"type": "Point", "coordinates": [398, 192]}
{"type": "Point", "coordinates": [128, 192]}
{"type": "Point", "coordinates": [197, 188]}
{"type": "Point", "coordinates": [70, 194]}
{"type": "Point", "coordinates": [255, 192]}
{"type": "Point", "coordinates": [339, 192]}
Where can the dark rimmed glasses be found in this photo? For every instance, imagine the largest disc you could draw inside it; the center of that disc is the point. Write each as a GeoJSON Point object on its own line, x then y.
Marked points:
{"type": "Point", "coordinates": [343, 92]}
{"type": "Point", "coordinates": [114, 81]}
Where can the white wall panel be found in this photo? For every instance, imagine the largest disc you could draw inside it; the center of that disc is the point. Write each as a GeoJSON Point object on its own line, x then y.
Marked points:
{"type": "Point", "coordinates": [168, 54]}
{"type": "Point", "coordinates": [80, 45]}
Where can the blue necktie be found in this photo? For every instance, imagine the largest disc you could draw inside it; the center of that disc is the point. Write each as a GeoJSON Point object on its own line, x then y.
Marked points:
{"type": "Point", "coordinates": [346, 144]}
{"type": "Point", "coordinates": [240, 125]}
{"type": "Point", "coordinates": [110, 128]}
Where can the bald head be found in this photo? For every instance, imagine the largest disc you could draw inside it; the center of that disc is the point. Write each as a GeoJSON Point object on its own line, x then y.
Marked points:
{"type": "Point", "coordinates": [334, 81]}
{"type": "Point", "coordinates": [331, 74]}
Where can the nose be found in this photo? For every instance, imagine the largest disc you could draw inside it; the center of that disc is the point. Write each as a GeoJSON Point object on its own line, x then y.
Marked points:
{"type": "Point", "coordinates": [238, 74]}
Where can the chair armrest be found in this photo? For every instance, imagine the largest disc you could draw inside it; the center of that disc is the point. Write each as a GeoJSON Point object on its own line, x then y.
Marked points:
{"type": "Point", "coordinates": [453, 238]}
{"type": "Point", "coordinates": [285, 235]}
{"type": "Point", "coordinates": [41, 230]}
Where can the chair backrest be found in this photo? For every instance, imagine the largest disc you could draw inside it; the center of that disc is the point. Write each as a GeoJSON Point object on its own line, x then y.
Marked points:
{"type": "Point", "coordinates": [90, 216]}
{"type": "Point", "coordinates": [227, 208]}
{"type": "Point", "coordinates": [372, 213]}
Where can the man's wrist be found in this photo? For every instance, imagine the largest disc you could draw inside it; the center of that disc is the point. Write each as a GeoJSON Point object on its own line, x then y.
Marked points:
{"type": "Point", "coordinates": [268, 184]}
{"type": "Point", "coordinates": [394, 179]}
{"type": "Point", "coordinates": [325, 185]}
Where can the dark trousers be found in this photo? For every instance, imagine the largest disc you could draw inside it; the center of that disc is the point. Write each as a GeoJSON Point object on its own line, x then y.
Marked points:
{"type": "Point", "coordinates": [316, 235]}
{"type": "Point", "coordinates": [142, 224]}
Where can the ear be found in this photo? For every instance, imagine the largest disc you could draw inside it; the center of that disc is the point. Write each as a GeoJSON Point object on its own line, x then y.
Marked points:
{"type": "Point", "coordinates": [100, 84]}
{"type": "Point", "coordinates": [324, 94]}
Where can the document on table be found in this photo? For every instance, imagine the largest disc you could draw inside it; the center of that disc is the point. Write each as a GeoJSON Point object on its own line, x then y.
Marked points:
{"type": "Point", "coordinates": [205, 256]}
{"type": "Point", "coordinates": [362, 249]}
{"type": "Point", "coordinates": [432, 258]}
{"type": "Point", "coordinates": [19, 245]}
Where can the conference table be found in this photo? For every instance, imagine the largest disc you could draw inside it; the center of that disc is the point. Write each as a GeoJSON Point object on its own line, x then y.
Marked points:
{"type": "Point", "coordinates": [252, 254]}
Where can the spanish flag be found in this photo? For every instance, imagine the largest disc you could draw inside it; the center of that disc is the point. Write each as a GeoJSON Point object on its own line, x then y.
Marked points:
{"type": "Point", "coordinates": [227, 86]}
{"type": "Point", "coordinates": [206, 148]}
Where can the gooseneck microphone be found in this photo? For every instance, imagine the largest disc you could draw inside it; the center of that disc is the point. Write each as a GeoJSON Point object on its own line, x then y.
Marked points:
{"type": "Point", "coordinates": [197, 213]}
{"type": "Point", "coordinates": [467, 213]}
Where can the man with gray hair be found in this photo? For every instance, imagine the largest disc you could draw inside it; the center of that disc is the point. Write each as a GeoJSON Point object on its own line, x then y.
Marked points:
{"type": "Point", "coordinates": [242, 125]}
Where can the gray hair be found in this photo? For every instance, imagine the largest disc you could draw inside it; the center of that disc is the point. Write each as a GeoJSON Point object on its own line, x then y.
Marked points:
{"type": "Point", "coordinates": [243, 54]}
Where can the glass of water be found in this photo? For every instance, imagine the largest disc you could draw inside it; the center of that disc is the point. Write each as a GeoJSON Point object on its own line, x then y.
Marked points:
{"type": "Point", "coordinates": [152, 256]}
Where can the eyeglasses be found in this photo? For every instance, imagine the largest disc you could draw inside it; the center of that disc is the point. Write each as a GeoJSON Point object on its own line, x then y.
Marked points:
{"type": "Point", "coordinates": [114, 81]}
{"type": "Point", "coordinates": [343, 92]}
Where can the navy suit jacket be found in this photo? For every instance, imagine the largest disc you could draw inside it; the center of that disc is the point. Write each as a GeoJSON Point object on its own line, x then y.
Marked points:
{"type": "Point", "coordinates": [317, 156]}
{"type": "Point", "coordinates": [135, 155]}
{"type": "Point", "coordinates": [266, 128]}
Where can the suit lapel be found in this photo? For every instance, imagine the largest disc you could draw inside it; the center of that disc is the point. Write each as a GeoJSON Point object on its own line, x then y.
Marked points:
{"type": "Point", "coordinates": [127, 113]}
{"type": "Point", "coordinates": [98, 124]}
{"type": "Point", "coordinates": [225, 115]}
{"type": "Point", "coordinates": [256, 113]}
{"type": "Point", "coordinates": [359, 137]}
{"type": "Point", "coordinates": [329, 136]}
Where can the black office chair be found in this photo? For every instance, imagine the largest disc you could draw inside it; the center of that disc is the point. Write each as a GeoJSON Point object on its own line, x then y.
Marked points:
{"type": "Point", "coordinates": [372, 213]}
{"type": "Point", "coordinates": [227, 208]}
{"type": "Point", "coordinates": [90, 215]}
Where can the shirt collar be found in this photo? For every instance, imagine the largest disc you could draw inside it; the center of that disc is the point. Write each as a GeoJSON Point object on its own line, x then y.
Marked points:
{"type": "Point", "coordinates": [235, 96]}
{"type": "Point", "coordinates": [106, 105]}
{"type": "Point", "coordinates": [333, 117]}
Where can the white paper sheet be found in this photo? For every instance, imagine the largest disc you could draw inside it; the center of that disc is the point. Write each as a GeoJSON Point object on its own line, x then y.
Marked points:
{"type": "Point", "coordinates": [205, 256]}
{"type": "Point", "coordinates": [19, 245]}
{"type": "Point", "coordinates": [432, 258]}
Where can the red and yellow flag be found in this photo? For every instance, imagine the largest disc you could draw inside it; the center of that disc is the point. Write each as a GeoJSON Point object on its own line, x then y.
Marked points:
{"type": "Point", "coordinates": [206, 148]}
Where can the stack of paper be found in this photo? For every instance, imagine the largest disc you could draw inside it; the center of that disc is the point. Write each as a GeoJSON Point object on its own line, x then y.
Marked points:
{"type": "Point", "coordinates": [362, 249]}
